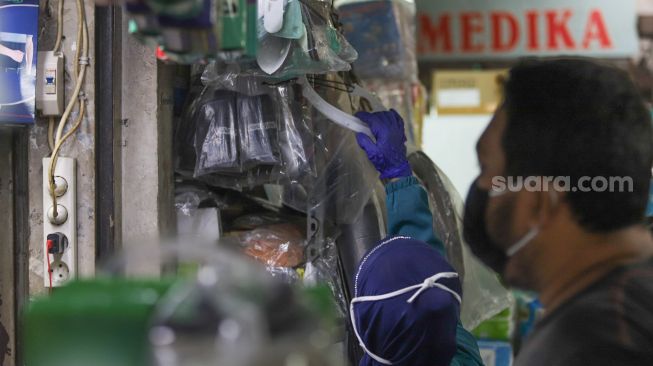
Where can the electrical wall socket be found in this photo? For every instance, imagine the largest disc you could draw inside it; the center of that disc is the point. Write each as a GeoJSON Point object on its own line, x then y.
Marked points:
{"type": "Point", "coordinates": [64, 266]}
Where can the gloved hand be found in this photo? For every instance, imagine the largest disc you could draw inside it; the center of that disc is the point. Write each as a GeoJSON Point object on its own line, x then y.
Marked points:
{"type": "Point", "coordinates": [388, 154]}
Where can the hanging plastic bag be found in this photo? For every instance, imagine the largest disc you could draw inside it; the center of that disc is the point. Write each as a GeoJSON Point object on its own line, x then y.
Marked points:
{"type": "Point", "coordinates": [320, 50]}
{"type": "Point", "coordinates": [484, 296]}
{"type": "Point", "coordinates": [216, 139]}
{"type": "Point", "coordinates": [324, 270]}
{"type": "Point", "coordinates": [295, 138]}
{"type": "Point", "coordinates": [347, 178]}
{"type": "Point", "coordinates": [234, 77]}
{"type": "Point", "coordinates": [259, 141]}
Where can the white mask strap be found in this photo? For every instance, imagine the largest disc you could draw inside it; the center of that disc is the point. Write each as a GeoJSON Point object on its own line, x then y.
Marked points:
{"type": "Point", "coordinates": [521, 243]}
{"type": "Point", "coordinates": [531, 234]}
{"type": "Point", "coordinates": [430, 282]}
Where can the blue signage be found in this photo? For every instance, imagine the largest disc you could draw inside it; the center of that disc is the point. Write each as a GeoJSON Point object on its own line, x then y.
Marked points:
{"type": "Point", "coordinates": [18, 50]}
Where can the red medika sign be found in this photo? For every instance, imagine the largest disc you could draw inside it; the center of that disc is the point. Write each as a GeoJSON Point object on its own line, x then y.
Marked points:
{"type": "Point", "coordinates": [460, 32]}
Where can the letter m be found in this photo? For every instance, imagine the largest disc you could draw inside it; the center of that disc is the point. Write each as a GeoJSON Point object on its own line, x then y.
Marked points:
{"type": "Point", "coordinates": [435, 37]}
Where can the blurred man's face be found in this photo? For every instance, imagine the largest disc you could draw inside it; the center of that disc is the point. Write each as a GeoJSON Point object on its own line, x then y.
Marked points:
{"type": "Point", "coordinates": [507, 216]}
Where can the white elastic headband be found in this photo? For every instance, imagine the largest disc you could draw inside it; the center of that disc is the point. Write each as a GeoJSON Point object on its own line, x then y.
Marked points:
{"type": "Point", "coordinates": [428, 283]}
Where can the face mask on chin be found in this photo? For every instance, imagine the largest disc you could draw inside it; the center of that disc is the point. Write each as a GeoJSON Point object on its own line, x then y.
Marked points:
{"type": "Point", "coordinates": [476, 236]}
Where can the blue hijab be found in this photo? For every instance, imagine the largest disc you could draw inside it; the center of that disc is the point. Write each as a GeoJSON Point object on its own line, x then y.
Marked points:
{"type": "Point", "coordinates": [406, 305]}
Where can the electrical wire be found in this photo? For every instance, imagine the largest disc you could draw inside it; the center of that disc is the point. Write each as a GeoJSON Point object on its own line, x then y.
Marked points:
{"type": "Point", "coordinates": [51, 124]}
{"type": "Point", "coordinates": [82, 61]}
{"type": "Point", "coordinates": [57, 43]}
{"type": "Point", "coordinates": [57, 46]}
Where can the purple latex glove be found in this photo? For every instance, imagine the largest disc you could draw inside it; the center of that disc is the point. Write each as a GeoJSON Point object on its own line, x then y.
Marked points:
{"type": "Point", "coordinates": [388, 154]}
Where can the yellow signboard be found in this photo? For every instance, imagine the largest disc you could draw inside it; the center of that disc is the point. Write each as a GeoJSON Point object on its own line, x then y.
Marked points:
{"type": "Point", "coordinates": [467, 92]}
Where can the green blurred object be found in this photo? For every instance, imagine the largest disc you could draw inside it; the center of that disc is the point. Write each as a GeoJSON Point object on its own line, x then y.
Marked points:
{"type": "Point", "coordinates": [251, 38]}
{"type": "Point", "coordinates": [100, 322]}
{"type": "Point", "coordinates": [498, 328]}
{"type": "Point", "coordinates": [234, 24]}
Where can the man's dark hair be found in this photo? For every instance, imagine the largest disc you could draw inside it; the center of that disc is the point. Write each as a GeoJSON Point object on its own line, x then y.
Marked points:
{"type": "Point", "coordinates": [577, 118]}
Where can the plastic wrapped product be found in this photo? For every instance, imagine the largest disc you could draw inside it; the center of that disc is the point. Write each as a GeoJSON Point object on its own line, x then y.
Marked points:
{"type": "Point", "coordinates": [276, 245]}
{"type": "Point", "coordinates": [295, 139]}
{"type": "Point", "coordinates": [216, 137]}
{"type": "Point", "coordinates": [322, 48]}
{"type": "Point", "coordinates": [259, 142]}
{"type": "Point", "coordinates": [484, 296]}
{"type": "Point", "coordinates": [324, 270]}
{"type": "Point", "coordinates": [347, 178]}
{"type": "Point", "coordinates": [233, 76]}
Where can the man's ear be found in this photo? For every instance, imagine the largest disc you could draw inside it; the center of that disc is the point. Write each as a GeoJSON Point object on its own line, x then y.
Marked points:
{"type": "Point", "coordinates": [547, 205]}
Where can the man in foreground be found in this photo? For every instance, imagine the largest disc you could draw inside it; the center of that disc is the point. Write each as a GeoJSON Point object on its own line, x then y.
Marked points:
{"type": "Point", "coordinates": [585, 251]}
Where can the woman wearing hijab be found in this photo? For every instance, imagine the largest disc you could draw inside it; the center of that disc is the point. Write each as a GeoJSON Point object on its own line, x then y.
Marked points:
{"type": "Point", "coordinates": [406, 305]}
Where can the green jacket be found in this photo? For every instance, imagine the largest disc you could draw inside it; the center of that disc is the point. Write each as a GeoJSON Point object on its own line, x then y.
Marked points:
{"type": "Point", "coordinates": [409, 215]}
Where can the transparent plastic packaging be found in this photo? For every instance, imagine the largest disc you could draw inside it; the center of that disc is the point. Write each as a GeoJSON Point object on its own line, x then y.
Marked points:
{"type": "Point", "coordinates": [347, 178]}
{"type": "Point", "coordinates": [322, 48]}
{"type": "Point", "coordinates": [324, 270]}
{"type": "Point", "coordinates": [279, 245]}
{"type": "Point", "coordinates": [295, 137]}
{"type": "Point", "coordinates": [216, 139]}
{"type": "Point", "coordinates": [258, 130]}
{"type": "Point", "coordinates": [245, 132]}
{"type": "Point", "coordinates": [234, 77]}
{"type": "Point", "coordinates": [334, 114]}
{"type": "Point", "coordinates": [197, 214]}
{"type": "Point", "coordinates": [483, 294]}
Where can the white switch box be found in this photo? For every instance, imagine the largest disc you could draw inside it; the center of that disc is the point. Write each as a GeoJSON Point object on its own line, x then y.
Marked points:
{"type": "Point", "coordinates": [63, 266]}
{"type": "Point", "coordinates": [50, 83]}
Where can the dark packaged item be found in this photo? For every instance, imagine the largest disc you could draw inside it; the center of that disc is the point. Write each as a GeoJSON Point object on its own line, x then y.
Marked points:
{"type": "Point", "coordinates": [258, 130]}
{"type": "Point", "coordinates": [216, 139]}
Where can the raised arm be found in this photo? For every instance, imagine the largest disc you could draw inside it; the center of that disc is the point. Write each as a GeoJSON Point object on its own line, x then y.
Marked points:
{"type": "Point", "coordinates": [409, 213]}
{"type": "Point", "coordinates": [407, 203]}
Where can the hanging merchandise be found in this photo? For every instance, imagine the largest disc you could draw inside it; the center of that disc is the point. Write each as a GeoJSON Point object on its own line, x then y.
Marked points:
{"type": "Point", "coordinates": [258, 130]}
{"type": "Point", "coordinates": [347, 178]}
{"type": "Point", "coordinates": [216, 139]}
{"type": "Point", "coordinates": [383, 33]}
{"type": "Point", "coordinates": [485, 296]}
{"type": "Point", "coordinates": [320, 49]}
{"type": "Point", "coordinates": [295, 136]}
{"type": "Point", "coordinates": [243, 140]}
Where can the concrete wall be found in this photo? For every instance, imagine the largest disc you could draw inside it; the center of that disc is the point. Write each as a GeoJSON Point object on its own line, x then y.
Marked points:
{"type": "Point", "coordinates": [146, 154]}
{"type": "Point", "coordinates": [7, 291]}
{"type": "Point", "coordinates": [81, 147]}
